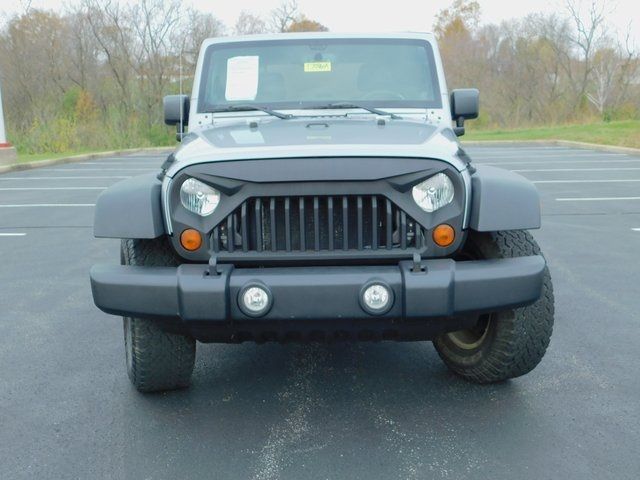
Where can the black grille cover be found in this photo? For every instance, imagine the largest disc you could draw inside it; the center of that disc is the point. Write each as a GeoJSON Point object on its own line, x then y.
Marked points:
{"type": "Point", "coordinates": [317, 223]}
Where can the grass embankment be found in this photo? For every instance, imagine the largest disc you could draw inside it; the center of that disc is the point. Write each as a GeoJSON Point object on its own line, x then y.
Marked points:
{"type": "Point", "coordinates": [620, 133]}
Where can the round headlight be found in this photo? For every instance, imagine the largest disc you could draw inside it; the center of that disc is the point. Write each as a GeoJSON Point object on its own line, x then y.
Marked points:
{"type": "Point", "coordinates": [198, 197]}
{"type": "Point", "coordinates": [434, 193]}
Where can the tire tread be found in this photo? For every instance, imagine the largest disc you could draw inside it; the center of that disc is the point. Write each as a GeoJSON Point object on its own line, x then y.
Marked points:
{"type": "Point", "coordinates": [521, 339]}
{"type": "Point", "coordinates": [159, 360]}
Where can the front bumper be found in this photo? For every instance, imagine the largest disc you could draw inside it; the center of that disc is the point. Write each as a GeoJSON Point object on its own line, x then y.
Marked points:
{"type": "Point", "coordinates": [445, 288]}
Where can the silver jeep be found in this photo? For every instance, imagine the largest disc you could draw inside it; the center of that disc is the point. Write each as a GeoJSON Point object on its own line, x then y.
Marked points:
{"type": "Point", "coordinates": [321, 194]}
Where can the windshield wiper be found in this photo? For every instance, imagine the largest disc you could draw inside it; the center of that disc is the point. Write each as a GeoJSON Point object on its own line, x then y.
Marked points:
{"type": "Point", "coordinates": [248, 108]}
{"type": "Point", "coordinates": [375, 111]}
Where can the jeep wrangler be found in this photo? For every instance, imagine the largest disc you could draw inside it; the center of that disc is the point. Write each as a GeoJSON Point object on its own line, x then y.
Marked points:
{"type": "Point", "coordinates": [321, 194]}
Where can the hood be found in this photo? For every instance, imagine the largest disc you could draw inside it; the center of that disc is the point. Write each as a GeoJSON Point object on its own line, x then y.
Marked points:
{"type": "Point", "coordinates": [314, 137]}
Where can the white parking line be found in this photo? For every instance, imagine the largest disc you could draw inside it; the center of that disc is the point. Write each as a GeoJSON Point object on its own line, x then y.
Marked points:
{"type": "Point", "coordinates": [563, 162]}
{"type": "Point", "coordinates": [50, 188]}
{"type": "Point", "coordinates": [586, 181]}
{"type": "Point", "coordinates": [38, 205]}
{"type": "Point", "coordinates": [576, 169]}
{"type": "Point", "coordinates": [636, 229]}
{"type": "Point", "coordinates": [595, 199]}
{"type": "Point", "coordinates": [505, 155]}
{"type": "Point", "coordinates": [128, 164]}
{"type": "Point", "coordinates": [516, 148]}
{"type": "Point", "coordinates": [12, 234]}
{"type": "Point", "coordinates": [60, 178]}
{"type": "Point", "coordinates": [150, 169]}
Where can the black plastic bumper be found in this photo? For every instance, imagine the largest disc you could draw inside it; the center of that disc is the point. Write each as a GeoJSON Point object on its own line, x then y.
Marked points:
{"type": "Point", "coordinates": [445, 288]}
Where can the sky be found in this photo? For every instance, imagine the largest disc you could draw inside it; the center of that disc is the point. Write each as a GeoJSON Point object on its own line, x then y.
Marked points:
{"type": "Point", "coordinates": [381, 16]}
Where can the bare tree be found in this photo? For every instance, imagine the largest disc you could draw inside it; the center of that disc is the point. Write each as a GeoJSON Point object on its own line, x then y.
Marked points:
{"type": "Point", "coordinates": [283, 16]}
{"type": "Point", "coordinates": [614, 68]}
{"type": "Point", "coordinates": [589, 33]}
{"type": "Point", "coordinates": [108, 24]}
{"type": "Point", "coordinates": [153, 22]}
{"type": "Point", "coordinates": [249, 24]}
{"type": "Point", "coordinates": [83, 49]}
{"type": "Point", "coordinates": [196, 28]}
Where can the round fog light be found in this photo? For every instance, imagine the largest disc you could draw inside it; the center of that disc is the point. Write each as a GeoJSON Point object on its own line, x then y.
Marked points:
{"type": "Point", "coordinates": [376, 298]}
{"type": "Point", "coordinates": [254, 300]}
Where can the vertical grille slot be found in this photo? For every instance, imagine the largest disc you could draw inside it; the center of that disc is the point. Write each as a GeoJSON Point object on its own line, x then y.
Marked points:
{"type": "Point", "coordinates": [244, 232]}
{"type": "Point", "coordinates": [345, 223]}
{"type": "Point", "coordinates": [389, 225]}
{"type": "Point", "coordinates": [257, 216]}
{"type": "Point", "coordinates": [330, 230]}
{"type": "Point", "coordinates": [317, 223]}
{"type": "Point", "coordinates": [287, 224]}
{"type": "Point", "coordinates": [272, 223]}
{"type": "Point", "coordinates": [303, 225]}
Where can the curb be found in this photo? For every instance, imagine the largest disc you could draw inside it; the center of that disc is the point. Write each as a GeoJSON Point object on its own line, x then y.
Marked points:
{"type": "Point", "coordinates": [566, 143]}
{"type": "Point", "coordinates": [76, 158]}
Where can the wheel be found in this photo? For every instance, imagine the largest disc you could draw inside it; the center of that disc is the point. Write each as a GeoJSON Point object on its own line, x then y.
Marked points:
{"type": "Point", "coordinates": [156, 360]}
{"type": "Point", "coordinates": [504, 344]}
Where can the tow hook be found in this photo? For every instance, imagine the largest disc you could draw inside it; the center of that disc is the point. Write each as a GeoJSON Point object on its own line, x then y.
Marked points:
{"type": "Point", "coordinates": [417, 264]}
{"type": "Point", "coordinates": [213, 266]}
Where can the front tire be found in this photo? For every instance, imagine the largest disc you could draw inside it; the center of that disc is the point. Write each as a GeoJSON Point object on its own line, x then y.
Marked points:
{"type": "Point", "coordinates": [156, 360]}
{"type": "Point", "coordinates": [505, 344]}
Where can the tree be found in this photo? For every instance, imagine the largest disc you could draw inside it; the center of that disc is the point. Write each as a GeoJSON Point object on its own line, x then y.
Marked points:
{"type": "Point", "coordinates": [283, 16]}
{"type": "Point", "coordinates": [462, 17]}
{"type": "Point", "coordinates": [588, 35]}
{"type": "Point", "coordinates": [249, 24]}
{"type": "Point", "coordinates": [33, 50]}
{"type": "Point", "coordinates": [614, 68]}
{"type": "Point", "coordinates": [303, 24]}
{"type": "Point", "coordinates": [456, 29]}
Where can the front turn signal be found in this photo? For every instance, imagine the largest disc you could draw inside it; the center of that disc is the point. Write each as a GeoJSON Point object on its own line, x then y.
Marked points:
{"type": "Point", "coordinates": [191, 240]}
{"type": "Point", "coordinates": [444, 235]}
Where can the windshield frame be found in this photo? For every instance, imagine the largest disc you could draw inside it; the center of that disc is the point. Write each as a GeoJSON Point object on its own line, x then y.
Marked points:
{"type": "Point", "coordinates": [436, 103]}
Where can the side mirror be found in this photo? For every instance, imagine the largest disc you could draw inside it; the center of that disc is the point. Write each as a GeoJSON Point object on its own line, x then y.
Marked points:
{"type": "Point", "coordinates": [176, 112]}
{"type": "Point", "coordinates": [465, 104]}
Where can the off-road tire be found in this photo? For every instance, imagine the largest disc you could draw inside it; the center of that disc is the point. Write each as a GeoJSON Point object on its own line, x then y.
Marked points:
{"type": "Point", "coordinates": [156, 360]}
{"type": "Point", "coordinates": [508, 343]}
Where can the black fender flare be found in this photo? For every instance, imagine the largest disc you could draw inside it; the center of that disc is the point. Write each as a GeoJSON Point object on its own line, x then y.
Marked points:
{"type": "Point", "coordinates": [131, 208]}
{"type": "Point", "coordinates": [502, 200]}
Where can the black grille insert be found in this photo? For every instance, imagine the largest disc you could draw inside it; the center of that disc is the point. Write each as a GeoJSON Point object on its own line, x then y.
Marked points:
{"type": "Point", "coordinates": [317, 223]}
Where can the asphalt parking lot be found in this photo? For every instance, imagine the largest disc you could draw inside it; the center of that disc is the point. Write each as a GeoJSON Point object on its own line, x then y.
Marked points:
{"type": "Point", "coordinates": [341, 411]}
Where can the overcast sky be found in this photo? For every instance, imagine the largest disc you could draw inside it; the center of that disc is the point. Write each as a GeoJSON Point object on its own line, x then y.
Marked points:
{"type": "Point", "coordinates": [382, 16]}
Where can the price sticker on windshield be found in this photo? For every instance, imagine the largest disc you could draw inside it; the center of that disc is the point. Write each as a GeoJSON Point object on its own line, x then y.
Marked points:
{"type": "Point", "coordinates": [242, 78]}
{"type": "Point", "coordinates": [312, 67]}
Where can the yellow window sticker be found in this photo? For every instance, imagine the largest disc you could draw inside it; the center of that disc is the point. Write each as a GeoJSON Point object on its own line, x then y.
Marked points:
{"type": "Point", "coordinates": [311, 67]}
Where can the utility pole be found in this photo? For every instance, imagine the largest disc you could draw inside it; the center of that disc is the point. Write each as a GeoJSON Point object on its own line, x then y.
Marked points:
{"type": "Point", "coordinates": [7, 152]}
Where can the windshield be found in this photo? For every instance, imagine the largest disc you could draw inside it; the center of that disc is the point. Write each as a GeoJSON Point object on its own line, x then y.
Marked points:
{"type": "Point", "coordinates": [313, 72]}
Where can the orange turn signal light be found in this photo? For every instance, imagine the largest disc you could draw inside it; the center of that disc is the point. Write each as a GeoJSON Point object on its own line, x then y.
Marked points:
{"type": "Point", "coordinates": [444, 235]}
{"type": "Point", "coordinates": [191, 239]}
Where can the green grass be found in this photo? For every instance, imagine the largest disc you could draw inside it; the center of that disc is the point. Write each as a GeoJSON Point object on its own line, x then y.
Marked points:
{"type": "Point", "coordinates": [621, 133]}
